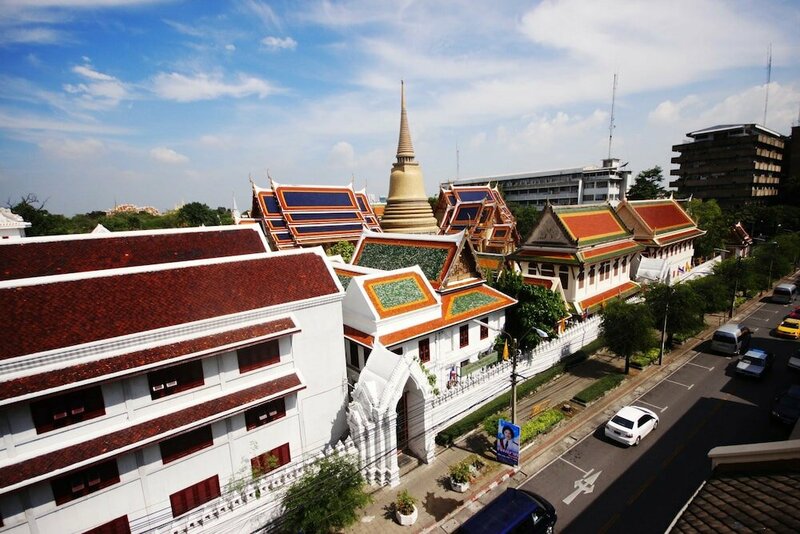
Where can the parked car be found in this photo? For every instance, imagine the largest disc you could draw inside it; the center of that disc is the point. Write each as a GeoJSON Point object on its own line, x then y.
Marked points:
{"type": "Point", "coordinates": [789, 328]}
{"type": "Point", "coordinates": [755, 363]}
{"type": "Point", "coordinates": [786, 406]}
{"type": "Point", "coordinates": [794, 314]}
{"type": "Point", "coordinates": [515, 510]}
{"type": "Point", "coordinates": [794, 361]}
{"type": "Point", "coordinates": [731, 338]}
{"type": "Point", "coordinates": [631, 424]}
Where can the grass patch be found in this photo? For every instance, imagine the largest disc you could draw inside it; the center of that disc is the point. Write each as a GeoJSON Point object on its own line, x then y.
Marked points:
{"type": "Point", "coordinates": [501, 402]}
{"type": "Point", "coordinates": [599, 388]}
{"type": "Point", "coordinates": [541, 424]}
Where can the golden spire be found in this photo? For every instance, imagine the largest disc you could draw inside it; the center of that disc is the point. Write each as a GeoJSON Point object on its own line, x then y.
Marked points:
{"type": "Point", "coordinates": [405, 150]}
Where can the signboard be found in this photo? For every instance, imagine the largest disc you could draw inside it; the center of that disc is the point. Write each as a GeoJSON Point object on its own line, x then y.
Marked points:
{"type": "Point", "coordinates": [507, 446]}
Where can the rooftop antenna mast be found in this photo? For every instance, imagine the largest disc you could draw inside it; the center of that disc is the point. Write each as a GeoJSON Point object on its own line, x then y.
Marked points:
{"type": "Point", "coordinates": [611, 122]}
{"type": "Point", "coordinates": [766, 91]}
{"type": "Point", "coordinates": [458, 163]}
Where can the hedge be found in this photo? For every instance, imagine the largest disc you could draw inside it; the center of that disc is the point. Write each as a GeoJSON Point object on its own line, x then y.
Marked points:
{"type": "Point", "coordinates": [599, 388]}
{"type": "Point", "coordinates": [540, 424]}
{"type": "Point", "coordinates": [643, 359]}
{"type": "Point", "coordinates": [472, 420]}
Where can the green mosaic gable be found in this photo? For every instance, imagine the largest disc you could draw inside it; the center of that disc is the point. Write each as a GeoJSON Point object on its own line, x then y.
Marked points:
{"type": "Point", "coordinates": [397, 293]}
{"type": "Point", "coordinates": [390, 257]}
{"type": "Point", "coordinates": [470, 301]}
{"type": "Point", "coordinates": [344, 280]}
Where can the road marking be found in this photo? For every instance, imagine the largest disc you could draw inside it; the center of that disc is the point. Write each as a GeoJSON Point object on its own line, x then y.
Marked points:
{"type": "Point", "coordinates": [582, 485]}
{"type": "Point", "coordinates": [610, 523]}
{"type": "Point", "coordinates": [642, 489]}
{"type": "Point", "coordinates": [690, 386]}
{"type": "Point", "coordinates": [698, 365]}
{"type": "Point", "coordinates": [575, 466]}
{"type": "Point", "coordinates": [662, 409]}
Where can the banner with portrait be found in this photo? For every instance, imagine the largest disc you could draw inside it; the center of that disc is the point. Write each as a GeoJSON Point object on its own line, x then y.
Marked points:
{"type": "Point", "coordinates": [507, 446]}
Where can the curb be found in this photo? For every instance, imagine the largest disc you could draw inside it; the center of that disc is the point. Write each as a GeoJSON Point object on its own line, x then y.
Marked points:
{"type": "Point", "coordinates": [499, 479]}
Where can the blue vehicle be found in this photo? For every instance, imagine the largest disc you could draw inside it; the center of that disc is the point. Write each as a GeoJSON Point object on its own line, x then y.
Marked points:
{"type": "Point", "coordinates": [514, 512]}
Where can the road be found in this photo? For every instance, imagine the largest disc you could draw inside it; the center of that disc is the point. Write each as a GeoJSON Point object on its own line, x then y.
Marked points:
{"type": "Point", "coordinates": [599, 486]}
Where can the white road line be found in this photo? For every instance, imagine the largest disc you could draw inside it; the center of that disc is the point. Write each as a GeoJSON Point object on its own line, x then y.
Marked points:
{"type": "Point", "coordinates": [662, 409]}
{"type": "Point", "coordinates": [573, 465]}
{"type": "Point", "coordinates": [690, 386]}
{"type": "Point", "coordinates": [698, 365]}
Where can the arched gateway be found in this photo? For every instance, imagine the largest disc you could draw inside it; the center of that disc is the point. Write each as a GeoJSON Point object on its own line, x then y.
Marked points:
{"type": "Point", "coordinates": [390, 411]}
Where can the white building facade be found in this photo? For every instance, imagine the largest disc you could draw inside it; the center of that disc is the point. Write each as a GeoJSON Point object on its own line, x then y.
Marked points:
{"type": "Point", "coordinates": [140, 397]}
{"type": "Point", "coordinates": [561, 187]}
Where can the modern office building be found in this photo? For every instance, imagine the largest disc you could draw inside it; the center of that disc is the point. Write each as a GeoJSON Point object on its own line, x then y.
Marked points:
{"type": "Point", "coordinates": [736, 164]}
{"type": "Point", "coordinates": [561, 187]}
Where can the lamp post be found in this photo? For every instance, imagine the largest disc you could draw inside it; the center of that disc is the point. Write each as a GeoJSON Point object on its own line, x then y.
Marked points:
{"type": "Point", "coordinates": [735, 281]}
{"type": "Point", "coordinates": [514, 353]}
{"type": "Point", "coordinates": [771, 259]}
{"type": "Point", "coordinates": [670, 290]}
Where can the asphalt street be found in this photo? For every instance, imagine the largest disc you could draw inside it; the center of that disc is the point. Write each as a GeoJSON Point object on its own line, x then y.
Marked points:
{"type": "Point", "coordinates": [601, 486]}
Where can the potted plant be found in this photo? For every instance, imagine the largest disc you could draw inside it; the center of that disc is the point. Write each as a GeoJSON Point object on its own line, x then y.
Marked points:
{"type": "Point", "coordinates": [460, 475]}
{"type": "Point", "coordinates": [405, 509]}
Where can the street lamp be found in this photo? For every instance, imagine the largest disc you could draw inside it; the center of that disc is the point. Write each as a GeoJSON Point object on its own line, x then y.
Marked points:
{"type": "Point", "coordinates": [735, 281]}
{"type": "Point", "coordinates": [771, 259]}
{"type": "Point", "coordinates": [670, 291]}
{"type": "Point", "coordinates": [514, 352]}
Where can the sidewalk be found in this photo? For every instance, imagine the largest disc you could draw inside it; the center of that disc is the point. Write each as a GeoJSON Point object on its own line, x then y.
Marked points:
{"type": "Point", "coordinates": [442, 510]}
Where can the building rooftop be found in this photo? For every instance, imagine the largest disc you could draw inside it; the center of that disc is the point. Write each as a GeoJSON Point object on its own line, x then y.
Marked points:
{"type": "Point", "coordinates": [723, 127]}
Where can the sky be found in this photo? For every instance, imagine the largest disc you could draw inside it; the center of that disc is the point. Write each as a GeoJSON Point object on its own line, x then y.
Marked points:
{"type": "Point", "coordinates": [162, 102]}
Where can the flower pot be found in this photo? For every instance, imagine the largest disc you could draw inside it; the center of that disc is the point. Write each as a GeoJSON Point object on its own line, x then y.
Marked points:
{"type": "Point", "coordinates": [406, 520]}
{"type": "Point", "coordinates": [460, 487]}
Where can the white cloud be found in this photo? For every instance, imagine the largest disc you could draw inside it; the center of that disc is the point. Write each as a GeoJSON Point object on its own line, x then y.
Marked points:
{"type": "Point", "coordinates": [342, 156]}
{"type": "Point", "coordinates": [167, 155]}
{"type": "Point", "coordinates": [33, 35]}
{"type": "Point", "coordinates": [72, 148]}
{"type": "Point", "coordinates": [230, 47]}
{"type": "Point", "coordinates": [277, 43]}
{"type": "Point", "coordinates": [262, 11]}
{"type": "Point", "coordinates": [13, 121]}
{"type": "Point", "coordinates": [100, 92]}
{"type": "Point", "coordinates": [669, 112]}
{"type": "Point", "coordinates": [181, 88]}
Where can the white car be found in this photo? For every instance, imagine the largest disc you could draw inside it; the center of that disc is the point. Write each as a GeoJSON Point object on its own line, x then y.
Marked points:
{"type": "Point", "coordinates": [631, 424]}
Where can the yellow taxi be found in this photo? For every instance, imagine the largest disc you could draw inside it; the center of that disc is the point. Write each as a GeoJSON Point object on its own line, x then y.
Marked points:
{"type": "Point", "coordinates": [789, 328]}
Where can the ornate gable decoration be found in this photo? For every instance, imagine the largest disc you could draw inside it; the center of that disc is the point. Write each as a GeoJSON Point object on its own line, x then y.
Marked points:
{"type": "Point", "coordinates": [482, 213]}
{"type": "Point", "coordinates": [548, 231]}
{"type": "Point", "coordinates": [300, 216]}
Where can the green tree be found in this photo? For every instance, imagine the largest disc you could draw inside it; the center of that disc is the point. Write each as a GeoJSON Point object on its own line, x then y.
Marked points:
{"type": "Point", "coordinates": [713, 293]}
{"type": "Point", "coordinates": [627, 328]}
{"type": "Point", "coordinates": [197, 214]}
{"type": "Point", "coordinates": [344, 248]}
{"type": "Point", "coordinates": [537, 307]}
{"type": "Point", "coordinates": [709, 217]}
{"type": "Point", "coordinates": [32, 210]}
{"type": "Point", "coordinates": [326, 498]}
{"type": "Point", "coordinates": [647, 185]}
{"type": "Point", "coordinates": [526, 217]}
{"type": "Point", "coordinates": [685, 308]}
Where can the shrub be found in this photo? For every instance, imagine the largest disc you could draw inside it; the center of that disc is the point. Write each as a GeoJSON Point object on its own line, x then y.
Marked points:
{"type": "Point", "coordinates": [541, 424]}
{"type": "Point", "coordinates": [460, 472]}
{"type": "Point", "coordinates": [472, 420]}
{"type": "Point", "coordinates": [643, 359]}
{"type": "Point", "coordinates": [405, 503]}
{"type": "Point", "coordinates": [490, 423]}
{"type": "Point", "coordinates": [599, 388]}
{"type": "Point", "coordinates": [326, 498]}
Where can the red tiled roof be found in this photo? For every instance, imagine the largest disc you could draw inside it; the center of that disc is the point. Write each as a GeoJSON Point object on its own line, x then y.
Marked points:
{"type": "Point", "coordinates": [72, 312]}
{"type": "Point", "coordinates": [688, 234]}
{"type": "Point", "coordinates": [503, 301]}
{"type": "Point", "coordinates": [25, 258]}
{"type": "Point", "coordinates": [87, 371]}
{"type": "Point", "coordinates": [359, 336]}
{"type": "Point", "coordinates": [537, 281]}
{"type": "Point", "coordinates": [621, 290]}
{"type": "Point", "coordinates": [662, 216]}
{"type": "Point", "coordinates": [142, 433]}
{"type": "Point", "coordinates": [615, 249]}
{"type": "Point", "coordinates": [594, 224]}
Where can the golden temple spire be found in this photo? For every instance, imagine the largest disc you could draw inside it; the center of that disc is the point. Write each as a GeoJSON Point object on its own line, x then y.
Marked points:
{"type": "Point", "coordinates": [405, 150]}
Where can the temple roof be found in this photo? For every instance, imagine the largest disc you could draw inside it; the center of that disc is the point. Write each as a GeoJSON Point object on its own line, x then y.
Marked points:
{"type": "Point", "coordinates": [624, 290]}
{"type": "Point", "coordinates": [591, 224]}
{"type": "Point", "coordinates": [482, 212]}
{"type": "Point", "coordinates": [52, 255]}
{"type": "Point", "coordinates": [658, 222]}
{"type": "Point", "coordinates": [397, 292]}
{"type": "Point", "coordinates": [300, 216]}
{"type": "Point", "coordinates": [438, 256]}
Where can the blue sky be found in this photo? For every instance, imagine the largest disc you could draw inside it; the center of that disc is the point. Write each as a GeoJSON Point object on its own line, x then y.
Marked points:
{"type": "Point", "coordinates": [158, 102]}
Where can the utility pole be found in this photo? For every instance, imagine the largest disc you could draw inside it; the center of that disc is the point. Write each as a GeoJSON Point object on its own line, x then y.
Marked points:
{"type": "Point", "coordinates": [664, 326]}
{"type": "Point", "coordinates": [611, 122]}
{"type": "Point", "coordinates": [766, 92]}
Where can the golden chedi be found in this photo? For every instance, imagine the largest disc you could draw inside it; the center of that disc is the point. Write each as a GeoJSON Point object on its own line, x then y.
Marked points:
{"type": "Point", "coordinates": [407, 208]}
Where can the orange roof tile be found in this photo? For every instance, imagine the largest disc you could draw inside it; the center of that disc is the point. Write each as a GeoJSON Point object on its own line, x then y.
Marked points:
{"type": "Point", "coordinates": [617, 249]}
{"type": "Point", "coordinates": [663, 216]}
{"type": "Point", "coordinates": [398, 293]}
{"type": "Point", "coordinates": [626, 288]}
{"type": "Point", "coordinates": [358, 336]}
{"type": "Point", "coordinates": [592, 224]}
